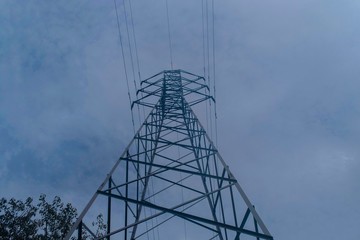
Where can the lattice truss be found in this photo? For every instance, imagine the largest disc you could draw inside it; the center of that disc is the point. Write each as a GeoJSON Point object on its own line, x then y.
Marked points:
{"type": "Point", "coordinates": [171, 182]}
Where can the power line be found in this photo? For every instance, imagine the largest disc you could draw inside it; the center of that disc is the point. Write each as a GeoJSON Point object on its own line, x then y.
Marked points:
{"type": "Point", "coordinates": [136, 51]}
{"type": "Point", "coordinates": [123, 57]}
{"type": "Point", "coordinates": [169, 34]}
{"type": "Point", "coordinates": [135, 43]}
{"type": "Point", "coordinates": [214, 69]}
{"type": "Point", "coordinates": [131, 57]}
{"type": "Point", "coordinates": [208, 62]}
{"type": "Point", "coordinates": [203, 34]}
{"type": "Point", "coordinates": [204, 61]}
{"type": "Point", "coordinates": [129, 44]}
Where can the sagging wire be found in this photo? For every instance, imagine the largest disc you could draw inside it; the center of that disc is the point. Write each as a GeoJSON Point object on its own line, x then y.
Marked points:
{"type": "Point", "coordinates": [169, 34]}
{"type": "Point", "coordinates": [208, 63]}
{"type": "Point", "coordinates": [204, 59]}
{"type": "Point", "coordinates": [125, 69]}
{"type": "Point", "coordinates": [214, 68]}
{"type": "Point", "coordinates": [131, 57]}
{"type": "Point", "coordinates": [136, 53]}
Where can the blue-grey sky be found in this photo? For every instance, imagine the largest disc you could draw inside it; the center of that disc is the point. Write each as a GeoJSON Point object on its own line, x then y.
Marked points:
{"type": "Point", "coordinates": [287, 98]}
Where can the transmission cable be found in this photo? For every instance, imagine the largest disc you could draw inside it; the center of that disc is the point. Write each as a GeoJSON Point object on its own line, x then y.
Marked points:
{"type": "Point", "coordinates": [208, 62]}
{"type": "Point", "coordinates": [169, 34]}
{"type": "Point", "coordinates": [204, 61]}
{"type": "Point", "coordinates": [123, 57]}
{"type": "Point", "coordinates": [131, 57]}
{"type": "Point", "coordinates": [135, 42]}
{"type": "Point", "coordinates": [213, 48]}
{"type": "Point", "coordinates": [136, 53]}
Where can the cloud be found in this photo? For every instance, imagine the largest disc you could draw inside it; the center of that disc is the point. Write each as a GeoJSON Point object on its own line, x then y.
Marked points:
{"type": "Point", "coordinates": [57, 115]}
{"type": "Point", "coordinates": [287, 100]}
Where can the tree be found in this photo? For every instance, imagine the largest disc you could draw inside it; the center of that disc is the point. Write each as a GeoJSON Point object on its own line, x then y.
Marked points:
{"type": "Point", "coordinates": [55, 218]}
{"type": "Point", "coordinates": [17, 219]}
{"type": "Point", "coordinates": [44, 221]}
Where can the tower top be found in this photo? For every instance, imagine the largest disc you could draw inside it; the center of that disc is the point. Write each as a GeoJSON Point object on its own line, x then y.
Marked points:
{"type": "Point", "coordinates": [169, 82]}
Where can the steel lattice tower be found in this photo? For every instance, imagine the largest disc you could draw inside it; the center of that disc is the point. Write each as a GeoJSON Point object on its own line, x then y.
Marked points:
{"type": "Point", "coordinates": [171, 182]}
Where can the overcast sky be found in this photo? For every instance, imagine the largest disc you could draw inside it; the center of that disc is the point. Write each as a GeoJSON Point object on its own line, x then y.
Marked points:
{"type": "Point", "coordinates": [287, 77]}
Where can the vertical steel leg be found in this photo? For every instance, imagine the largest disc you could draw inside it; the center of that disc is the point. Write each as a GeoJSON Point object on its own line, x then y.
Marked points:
{"type": "Point", "coordinates": [80, 231]}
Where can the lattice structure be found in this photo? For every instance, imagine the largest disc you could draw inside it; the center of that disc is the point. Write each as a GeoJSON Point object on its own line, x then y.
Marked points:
{"type": "Point", "coordinates": [171, 182]}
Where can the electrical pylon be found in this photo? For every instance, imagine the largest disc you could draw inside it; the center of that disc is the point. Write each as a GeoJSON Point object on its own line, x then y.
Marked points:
{"type": "Point", "coordinates": [171, 182]}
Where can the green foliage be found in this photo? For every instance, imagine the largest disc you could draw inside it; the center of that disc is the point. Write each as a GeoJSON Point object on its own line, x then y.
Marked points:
{"type": "Point", "coordinates": [43, 221]}
{"type": "Point", "coordinates": [17, 219]}
{"type": "Point", "coordinates": [55, 218]}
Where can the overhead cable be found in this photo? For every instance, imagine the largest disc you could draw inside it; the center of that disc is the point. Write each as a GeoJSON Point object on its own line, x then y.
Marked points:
{"type": "Point", "coordinates": [136, 52]}
{"type": "Point", "coordinates": [131, 57]}
{"type": "Point", "coordinates": [208, 62]}
{"type": "Point", "coordinates": [214, 68]}
{"type": "Point", "coordinates": [204, 59]}
{"type": "Point", "coordinates": [169, 34]}
{"type": "Point", "coordinates": [123, 57]}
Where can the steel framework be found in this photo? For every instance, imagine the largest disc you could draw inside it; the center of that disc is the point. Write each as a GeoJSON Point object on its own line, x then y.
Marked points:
{"type": "Point", "coordinates": [171, 182]}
